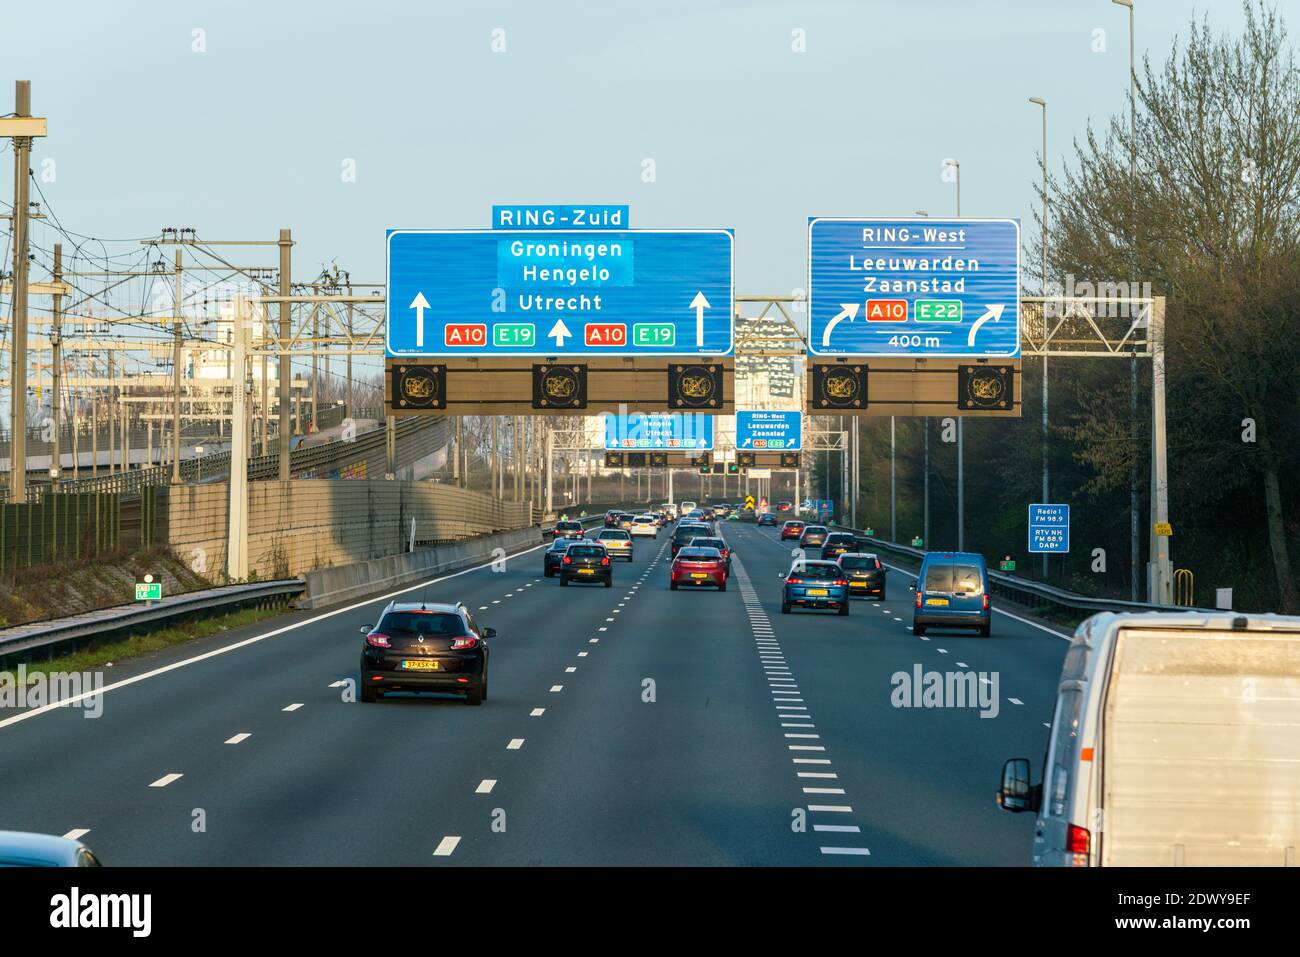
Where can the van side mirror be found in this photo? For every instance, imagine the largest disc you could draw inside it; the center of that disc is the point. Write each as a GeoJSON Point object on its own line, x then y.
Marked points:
{"type": "Point", "coordinates": [1017, 794]}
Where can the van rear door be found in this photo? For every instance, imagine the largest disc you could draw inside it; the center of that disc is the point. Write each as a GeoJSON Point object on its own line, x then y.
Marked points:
{"type": "Point", "coordinates": [967, 586]}
{"type": "Point", "coordinates": [1200, 748]}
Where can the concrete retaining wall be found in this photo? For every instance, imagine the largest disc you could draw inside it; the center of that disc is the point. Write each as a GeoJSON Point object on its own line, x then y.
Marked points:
{"type": "Point", "coordinates": [329, 586]}
{"type": "Point", "coordinates": [306, 524]}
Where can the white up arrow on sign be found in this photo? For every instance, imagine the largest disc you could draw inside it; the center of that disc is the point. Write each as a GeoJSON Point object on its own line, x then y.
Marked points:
{"type": "Point", "coordinates": [559, 332]}
{"type": "Point", "coordinates": [419, 304]}
{"type": "Point", "coordinates": [699, 304]}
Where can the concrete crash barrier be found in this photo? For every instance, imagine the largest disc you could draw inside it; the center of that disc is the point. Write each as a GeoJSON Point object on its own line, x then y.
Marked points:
{"type": "Point", "coordinates": [330, 586]}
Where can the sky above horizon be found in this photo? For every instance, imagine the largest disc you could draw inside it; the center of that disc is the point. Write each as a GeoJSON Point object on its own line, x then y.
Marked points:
{"type": "Point", "coordinates": [754, 115]}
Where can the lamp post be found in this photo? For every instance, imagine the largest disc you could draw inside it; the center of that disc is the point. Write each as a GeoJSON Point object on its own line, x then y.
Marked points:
{"type": "Point", "coordinates": [961, 451]}
{"type": "Point", "coordinates": [925, 459]}
{"type": "Point", "coordinates": [1039, 101]}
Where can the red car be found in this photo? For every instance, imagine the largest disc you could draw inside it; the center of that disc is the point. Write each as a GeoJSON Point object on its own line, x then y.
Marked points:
{"type": "Point", "coordinates": [792, 530]}
{"type": "Point", "coordinates": [698, 566]}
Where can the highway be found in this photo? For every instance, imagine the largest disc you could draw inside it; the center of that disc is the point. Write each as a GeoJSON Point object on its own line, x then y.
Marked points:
{"type": "Point", "coordinates": [625, 726]}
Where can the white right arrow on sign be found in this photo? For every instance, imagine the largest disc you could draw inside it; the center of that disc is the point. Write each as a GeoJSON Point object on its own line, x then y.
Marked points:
{"type": "Point", "coordinates": [848, 310]}
{"type": "Point", "coordinates": [992, 312]}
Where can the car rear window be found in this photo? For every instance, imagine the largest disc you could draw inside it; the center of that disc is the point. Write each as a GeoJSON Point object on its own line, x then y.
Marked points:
{"type": "Point", "coordinates": [840, 538]}
{"type": "Point", "coordinates": [568, 526]}
{"type": "Point", "coordinates": [818, 571]}
{"type": "Point", "coordinates": [708, 543]}
{"type": "Point", "coordinates": [696, 552]}
{"type": "Point", "coordinates": [422, 623]}
{"type": "Point", "coordinates": [585, 551]}
{"type": "Point", "coordinates": [815, 529]}
{"type": "Point", "coordinates": [858, 563]}
{"type": "Point", "coordinates": [938, 577]}
{"type": "Point", "coordinates": [560, 544]}
{"type": "Point", "coordinates": [613, 534]}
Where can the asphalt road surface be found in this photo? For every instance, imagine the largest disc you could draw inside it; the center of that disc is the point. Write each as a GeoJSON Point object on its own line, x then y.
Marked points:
{"type": "Point", "coordinates": [625, 726]}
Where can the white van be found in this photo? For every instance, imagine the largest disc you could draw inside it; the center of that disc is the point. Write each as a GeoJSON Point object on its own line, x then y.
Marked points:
{"type": "Point", "coordinates": [1175, 742]}
{"type": "Point", "coordinates": [687, 508]}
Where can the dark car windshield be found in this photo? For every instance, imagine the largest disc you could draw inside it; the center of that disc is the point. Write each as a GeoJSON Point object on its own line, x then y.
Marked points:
{"type": "Point", "coordinates": [840, 538]}
{"type": "Point", "coordinates": [422, 623]}
{"type": "Point", "coordinates": [690, 531]}
{"type": "Point", "coordinates": [698, 553]}
{"type": "Point", "coordinates": [818, 570]}
{"type": "Point", "coordinates": [585, 551]}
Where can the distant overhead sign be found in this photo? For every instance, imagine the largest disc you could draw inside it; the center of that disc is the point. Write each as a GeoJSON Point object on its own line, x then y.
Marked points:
{"type": "Point", "coordinates": [780, 430]}
{"type": "Point", "coordinates": [560, 292]}
{"type": "Point", "coordinates": [1049, 528]}
{"type": "Point", "coordinates": [914, 287]}
{"type": "Point", "coordinates": [658, 430]}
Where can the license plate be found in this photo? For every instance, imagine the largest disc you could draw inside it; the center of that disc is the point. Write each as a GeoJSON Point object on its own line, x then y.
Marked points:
{"type": "Point", "coordinates": [586, 571]}
{"type": "Point", "coordinates": [818, 591]}
{"type": "Point", "coordinates": [699, 575]}
{"type": "Point", "coordinates": [936, 601]}
{"type": "Point", "coordinates": [420, 665]}
{"type": "Point", "coordinates": [858, 584]}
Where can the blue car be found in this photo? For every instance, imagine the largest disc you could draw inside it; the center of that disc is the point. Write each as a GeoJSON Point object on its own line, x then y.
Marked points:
{"type": "Point", "coordinates": [767, 518]}
{"type": "Point", "coordinates": [952, 591]}
{"type": "Point", "coordinates": [815, 584]}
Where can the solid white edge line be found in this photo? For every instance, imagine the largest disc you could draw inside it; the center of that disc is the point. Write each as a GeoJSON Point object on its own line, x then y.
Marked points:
{"type": "Point", "coordinates": [253, 640]}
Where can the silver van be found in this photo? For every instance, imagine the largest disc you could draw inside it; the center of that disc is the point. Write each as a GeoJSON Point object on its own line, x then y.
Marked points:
{"type": "Point", "coordinates": [1175, 742]}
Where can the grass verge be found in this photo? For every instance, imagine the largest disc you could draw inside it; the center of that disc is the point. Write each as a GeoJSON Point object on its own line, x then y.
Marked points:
{"type": "Point", "coordinates": [99, 656]}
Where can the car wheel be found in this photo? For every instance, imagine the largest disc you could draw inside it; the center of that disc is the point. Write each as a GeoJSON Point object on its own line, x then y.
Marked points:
{"type": "Point", "coordinates": [483, 686]}
{"type": "Point", "coordinates": [844, 608]}
{"type": "Point", "coordinates": [564, 582]}
{"type": "Point", "coordinates": [672, 586]}
{"type": "Point", "coordinates": [986, 631]}
{"type": "Point", "coordinates": [918, 630]}
{"type": "Point", "coordinates": [723, 586]}
{"type": "Point", "coordinates": [367, 693]}
{"type": "Point", "coordinates": [609, 583]}
{"type": "Point", "coordinates": [548, 573]}
{"type": "Point", "coordinates": [474, 696]}
{"type": "Point", "coordinates": [785, 608]}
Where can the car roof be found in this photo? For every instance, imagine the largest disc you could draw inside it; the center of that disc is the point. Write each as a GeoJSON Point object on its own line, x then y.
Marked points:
{"type": "Point", "coordinates": [429, 606]}
{"type": "Point", "coordinates": [27, 847]}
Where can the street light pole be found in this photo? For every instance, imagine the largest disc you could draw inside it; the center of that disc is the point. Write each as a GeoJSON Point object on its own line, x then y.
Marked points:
{"type": "Point", "coordinates": [925, 460]}
{"type": "Point", "coordinates": [1038, 100]}
{"type": "Point", "coordinates": [961, 439]}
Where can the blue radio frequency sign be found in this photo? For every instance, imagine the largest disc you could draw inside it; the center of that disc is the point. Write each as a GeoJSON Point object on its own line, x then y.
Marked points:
{"type": "Point", "coordinates": [774, 429]}
{"type": "Point", "coordinates": [914, 287]}
{"type": "Point", "coordinates": [1049, 527]}
{"type": "Point", "coordinates": [495, 292]}
{"type": "Point", "coordinates": [658, 430]}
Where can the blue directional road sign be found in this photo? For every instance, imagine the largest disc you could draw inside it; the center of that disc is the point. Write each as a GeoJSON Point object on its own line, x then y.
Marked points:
{"type": "Point", "coordinates": [769, 429]}
{"type": "Point", "coordinates": [658, 430]}
{"type": "Point", "coordinates": [643, 292]}
{"type": "Point", "coordinates": [914, 287]}
{"type": "Point", "coordinates": [1049, 528]}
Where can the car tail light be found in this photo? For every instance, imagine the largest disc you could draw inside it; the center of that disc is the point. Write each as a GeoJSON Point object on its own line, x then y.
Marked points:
{"type": "Point", "coordinates": [840, 581]}
{"type": "Point", "coordinates": [605, 560]}
{"type": "Point", "coordinates": [877, 564]}
{"type": "Point", "coordinates": [464, 642]}
{"type": "Point", "coordinates": [1077, 841]}
{"type": "Point", "coordinates": [918, 599]}
{"type": "Point", "coordinates": [376, 640]}
{"type": "Point", "coordinates": [566, 560]}
{"type": "Point", "coordinates": [986, 602]}
{"type": "Point", "coordinates": [794, 581]}
{"type": "Point", "coordinates": [725, 552]}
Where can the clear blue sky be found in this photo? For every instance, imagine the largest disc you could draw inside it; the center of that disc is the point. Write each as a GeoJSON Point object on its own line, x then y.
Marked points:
{"type": "Point", "coordinates": [251, 135]}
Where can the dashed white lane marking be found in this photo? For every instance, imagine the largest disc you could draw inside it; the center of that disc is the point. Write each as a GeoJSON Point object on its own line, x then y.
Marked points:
{"type": "Point", "coordinates": [293, 707]}
{"type": "Point", "coordinates": [823, 790]}
{"type": "Point", "coordinates": [496, 601]}
{"type": "Point", "coordinates": [1015, 701]}
{"type": "Point", "coordinates": [805, 747]}
{"type": "Point", "coordinates": [811, 760]}
{"type": "Point", "coordinates": [864, 852]}
{"type": "Point", "coordinates": [817, 774]}
{"type": "Point", "coordinates": [166, 779]}
{"type": "Point", "coordinates": [831, 808]}
{"type": "Point", "coordinates": [515, 744]}
{"type": "Point", "coordinates": [339, 684]}
{"type": "Point", "coordinates": [446, 846]}
{"type": "Point", "coordinates": [838, 828]}
{"type": "Point", "coordinates": [942, 651]}
{"type": "Point", "coordinates": [555, 689]}
{"type": "Point", "coordinates": [570, 670]}
{"type": "Point", "coordinates": [537, 712]}
{"type": "Point", "coordinates": [76, 833]}
{"type": "Point", "coordinates": [235, 739]}
{"type": "Point", "coordinates": [593, 641]}
{"type": "Point", "coordinates": [602, 628]}
{"type": "Point", "coordinates": [485, 786]}
{"type": "Point", "coordinates": [583, 654]}
{"type": "Point", "coordinates": [962, 664]}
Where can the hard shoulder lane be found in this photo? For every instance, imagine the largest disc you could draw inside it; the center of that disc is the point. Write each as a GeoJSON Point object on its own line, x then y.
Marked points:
{"type": "Point", "coordinates": [920, 779]}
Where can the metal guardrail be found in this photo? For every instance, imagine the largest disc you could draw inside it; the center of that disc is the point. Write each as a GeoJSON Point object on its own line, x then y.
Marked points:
{"type": "Point", "coordinates": [45, 636]}
{"type": "Point", "coordinates": [1025, 591]}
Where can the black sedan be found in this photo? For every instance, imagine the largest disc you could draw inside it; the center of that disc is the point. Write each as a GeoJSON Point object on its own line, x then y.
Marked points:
{"type": "Point", "coordinates": [418, 646]}
{"type": "Point", "coordinates": [552, 556]}
{"type": "Point", "coordinates": [865, 573]}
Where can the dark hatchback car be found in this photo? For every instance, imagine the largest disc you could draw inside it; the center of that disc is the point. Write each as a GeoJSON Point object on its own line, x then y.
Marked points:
{"type": "Point", "coordinates": [569, 530]}
{"type": "Point", "coordinates": [551, 557]}
{"type": "Point", "coordinates": [587, 562]}
{"type": "Point", "coordinates": [767, 518]}
{"type": "Point", "coordinates": [419, 646]}
{"type": "Point", "coordinates": [865, 573]}
{"type": "Point", "coordinates": [685, 531]}
{"type": "Point", "coordinates": [837, 543]}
